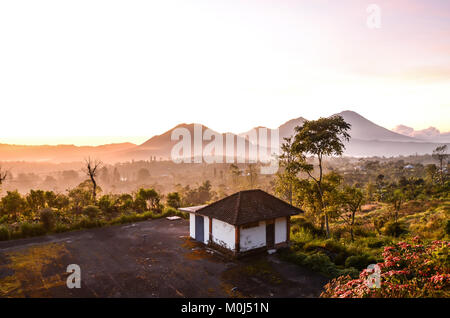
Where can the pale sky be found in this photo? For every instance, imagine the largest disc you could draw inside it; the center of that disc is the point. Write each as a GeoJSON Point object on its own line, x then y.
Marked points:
{"type": "Point", "coordinates": [94, 72]}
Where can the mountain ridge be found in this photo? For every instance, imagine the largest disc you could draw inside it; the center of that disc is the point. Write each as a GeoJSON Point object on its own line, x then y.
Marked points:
{"type": "Point", "coordinates": [368, 139]}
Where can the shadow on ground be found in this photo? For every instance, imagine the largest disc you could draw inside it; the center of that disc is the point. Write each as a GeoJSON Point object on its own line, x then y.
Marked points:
{"type": "Point", "coordinates": [146, 259]}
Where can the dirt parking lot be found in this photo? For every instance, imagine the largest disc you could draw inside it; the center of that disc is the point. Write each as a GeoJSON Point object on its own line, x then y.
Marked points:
{"type": "Point", "coordinates": [146, 259]}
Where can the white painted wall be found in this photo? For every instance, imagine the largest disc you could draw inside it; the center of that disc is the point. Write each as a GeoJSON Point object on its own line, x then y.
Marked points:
{"type": "Point", "coordinates": [280, 230]}
{"type": "Point", "coordinates": [223, 234]}
{"type": "Point", "coordinates": [192, 225]}
{"type": "Point", "coordinates": [253, 237]}
{"type": "Point", "coordinates": [206, 229]}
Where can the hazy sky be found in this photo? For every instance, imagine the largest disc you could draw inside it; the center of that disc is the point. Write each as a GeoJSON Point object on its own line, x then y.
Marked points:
{"type": "Point", "coordinates": [92, 72]}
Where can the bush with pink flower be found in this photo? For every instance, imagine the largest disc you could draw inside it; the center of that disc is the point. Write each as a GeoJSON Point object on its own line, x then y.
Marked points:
{"type": "Point", "coordinates": [408, 270]}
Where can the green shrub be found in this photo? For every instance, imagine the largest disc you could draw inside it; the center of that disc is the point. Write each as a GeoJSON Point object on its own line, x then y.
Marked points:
{"type": "Point", "coordinates": [91, 211]}
{"type": "Point", "coordinates": [31, 229]}
{"type": "Point", "coordinates": [4, 219]}
{"type": "Point", "coordinates": [447, 227]}
{"type": "Point", "coordinates": [394, 229]}
{"type": "Point", "coordinates": [60, 228]}
{"type": "Point", "coordinates": [317, 262]}
{"type": "Point", "coordinates": [308, 226]}
{"type": "Point", "coordinates": [4, 233]}
{"type": "Point", "coordinates": [133, 217]}
{"type": "Point", "coordinates": [88, 223]}
{"type": "Point", "coordinates": [359, 261]}
{"type": "Point", "coordinates": [47, 217]}
{"type": "Point", "coordinates": [107, 204]}
{"type": "Point", "coordinates": [169, 211]}
{"type": "Point", "coordinates": [363, 232]}
{"type": "Point", "coordinates": [334, 246]}
{"type": "Point", "coordinates": [375, 243]}
{"type": "Point", "coordinates": [295, 257]}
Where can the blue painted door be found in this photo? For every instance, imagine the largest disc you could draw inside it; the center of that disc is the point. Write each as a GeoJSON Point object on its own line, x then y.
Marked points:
{"type": "Point", "coordinates": [199, 228]}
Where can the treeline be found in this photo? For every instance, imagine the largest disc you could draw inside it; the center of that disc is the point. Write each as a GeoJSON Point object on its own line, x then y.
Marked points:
{"type": "Point", "coordinates": [40, 212]}
{"type": "Point", "coordinates": [331, 198]}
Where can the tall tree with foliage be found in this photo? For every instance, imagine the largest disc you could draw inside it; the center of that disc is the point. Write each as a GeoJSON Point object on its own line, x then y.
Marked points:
{"type": "Point", "coordinates": [290, 164]}
{"type": "Point", "coordinates": [174, 200]}
{"type": "Point", "coordinates": [351, 198]}
{"type": "Point", "coordinates": [252, 175]}
{"type": "Point", "coordinates": [320, 138]}
{"type": "Point", "coordinates": [235, 172]}
{"type": "Point", "coordinates": [147, 199]}
{"type": "Point", "coordinates": [440, 154]}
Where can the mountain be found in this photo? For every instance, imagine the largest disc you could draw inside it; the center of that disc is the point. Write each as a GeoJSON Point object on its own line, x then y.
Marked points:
{"type": "Point", "coordinates": [364, 129]}
{"type": "Point", "coordinates": [367, 139]}
{"type": "Point", "coordinates": [361, 129]}
{"type": "Point", "coordinates": [161, 145]}
{"type": "Point", "coordinates": [285, 130]}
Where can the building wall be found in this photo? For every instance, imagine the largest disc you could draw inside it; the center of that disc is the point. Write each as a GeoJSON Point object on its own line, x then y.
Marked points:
{"type": "Point", "coordinates": [250, 238]}
{"type": "Point", "coordinates": [253, 237]}
{"type": "Point", "coordinates": [192, 225]}
{"type": "Point", "coordinates": [206, 229]}
{"type": "Point", "coordinates": [280, 230]}
{"type": "Point", "coordinates": [223, 234]}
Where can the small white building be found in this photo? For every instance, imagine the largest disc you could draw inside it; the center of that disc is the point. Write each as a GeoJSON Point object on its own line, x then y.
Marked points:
{"type": "Point", "coordinates": [243, 222]}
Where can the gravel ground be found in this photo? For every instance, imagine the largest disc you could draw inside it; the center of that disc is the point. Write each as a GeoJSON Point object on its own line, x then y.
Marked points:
{"type": "Point", "coordinates": [146, 259]}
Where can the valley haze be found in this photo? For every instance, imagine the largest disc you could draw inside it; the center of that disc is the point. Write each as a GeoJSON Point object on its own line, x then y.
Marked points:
{"type": "Point", "coordinates": [367, 139]}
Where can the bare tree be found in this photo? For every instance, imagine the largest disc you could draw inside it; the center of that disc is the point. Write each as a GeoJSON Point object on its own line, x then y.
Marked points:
{"type": "Point", "coordinates": [91, 170]}
{"type": "Point", "coordinates": [440, 154]}
{"type": "Point", "coordinates": [3, 175]}
{"type": "Point", "coordinates": [252, 175]}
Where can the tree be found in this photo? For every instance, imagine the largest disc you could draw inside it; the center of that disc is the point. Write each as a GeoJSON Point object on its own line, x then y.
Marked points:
{"type": "Point", "coordinates": [116, 175]}
{"type": "Point", "coordinates": [285, 186]}
{"type": "Point", "coordinates": [204, 191]}
{"type": "Point", "coordinates": [91, 170]}
{"type": "Point", "coordinates": [440, 154]}
{"type": "Point", "coordinates": [352, 199]}
{"type": "Point", "coordinates": [431, 172]}
{"type": "Point", "coordinates": [396, 197]}
{"type": "Point", "coordinates": [174, 200]}
{"type": "Point", "coordinates": [291, 167]}
{"type": "Point", "coordinates": [319, 138]}
{"type": "Point", "coordinates": [36, 200]}
{"type": "Point", "coordinates": [3, 175]}
{"type": "Point", "coordinates": [251, 175]}
{"type": "Point", "coordinates": [201, 195]}
{"type": "Point", "coordinates": [81, 196]}
{"type": "Point", "coordinates": [125, 202]}
{"type": "Point", "coordinates": [13, 203]}
{"type": "Point", "coordinates": [47, 218]}
{"type": "Point", "coordinates": [69, 175]}
{"type": "Point", "coordinates": [104, 175]}
{"type": "Point", "coordinates": [235, 173]}
{"type": "Point", "coordinates": [143, 175]}
{"type": "Point", "coordinates": [91, 211]}
{"type": "Point", "coordinates": [107, 203]}
{"type": "Point", "coordinates": [147, 199]}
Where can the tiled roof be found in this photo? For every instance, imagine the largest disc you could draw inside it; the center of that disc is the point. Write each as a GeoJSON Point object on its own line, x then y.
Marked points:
{"type": "Point", "coordinates": [248, 206]}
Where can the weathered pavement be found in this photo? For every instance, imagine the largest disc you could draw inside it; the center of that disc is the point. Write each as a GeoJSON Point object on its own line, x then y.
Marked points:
{"type": "Point", "coordinates": [145, 259]}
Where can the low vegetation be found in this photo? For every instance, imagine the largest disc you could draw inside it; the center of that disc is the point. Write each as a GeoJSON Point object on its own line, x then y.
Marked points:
{"type": "Point", "coordinates": [356, 209]}
{"type": "Point", "coordinates": [44, 212]}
